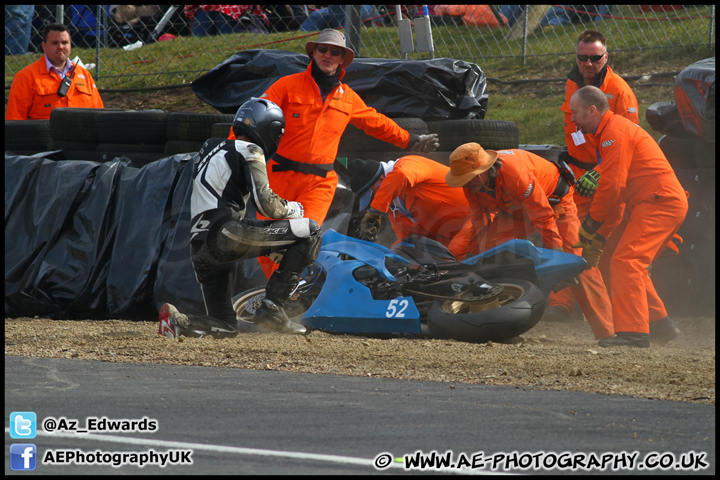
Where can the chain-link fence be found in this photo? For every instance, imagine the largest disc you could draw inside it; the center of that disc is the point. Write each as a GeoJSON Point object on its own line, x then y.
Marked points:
{"type": "Point", "coordinates": [153, 45]}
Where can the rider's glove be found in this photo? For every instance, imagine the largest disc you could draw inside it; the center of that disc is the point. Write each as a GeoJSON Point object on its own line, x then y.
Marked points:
{"type": "Point", "coordinates": [294, 210]}
{"type": "Point", "coordinates": [587, 183]}
{"type": "Point", "coordinates": [370, 226]}
{"type": "Point", "coordinates": [423, 143]}
{"type": "Point", "coordinates": [591, 243]}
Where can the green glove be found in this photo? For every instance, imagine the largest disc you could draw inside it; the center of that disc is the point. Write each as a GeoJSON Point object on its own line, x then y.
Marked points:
{"type": "Point", "coordinates": [592, 245]}
{"type": "Point", "coordinates": [587, 183]}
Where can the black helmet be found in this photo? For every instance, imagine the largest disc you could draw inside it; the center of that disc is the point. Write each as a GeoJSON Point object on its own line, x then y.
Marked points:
{"type": "Point", "coordinates": [262, 122]}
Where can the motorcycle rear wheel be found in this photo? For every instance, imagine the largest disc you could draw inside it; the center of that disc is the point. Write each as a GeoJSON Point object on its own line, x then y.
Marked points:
{"type": "Point", "coordinates": [516, 310]}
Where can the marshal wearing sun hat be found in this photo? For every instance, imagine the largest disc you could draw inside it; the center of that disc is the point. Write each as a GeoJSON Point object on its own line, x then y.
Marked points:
{"type": "Point", "coordinates": [318, 106]}
{"type": "Point", "coordinates": [332, 37]}
{"type": "Point", "coordinates": [467, 162]}
{"type": "Point", "coordinates": [513, 193]}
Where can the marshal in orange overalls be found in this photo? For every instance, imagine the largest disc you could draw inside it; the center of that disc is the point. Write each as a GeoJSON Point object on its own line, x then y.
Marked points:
{"type": "Point", "coordinates": [519, 203]}
{"type": "Point", "coordinates": [313, 128]}
{"type": "Point", "coordinates": [622, 101]}
{"type": "Point", "coordinates": [421, 203]}
{"type": "Point", "coordinates": [634, 172]}
{"type": "Point", "coordinates": [33, 93]}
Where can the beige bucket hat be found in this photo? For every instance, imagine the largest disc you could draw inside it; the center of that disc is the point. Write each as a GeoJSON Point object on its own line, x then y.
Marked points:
{"type": "Point", "coordinates": [468, 161]}
{"type": "Point", "coordinates": [332, 37]}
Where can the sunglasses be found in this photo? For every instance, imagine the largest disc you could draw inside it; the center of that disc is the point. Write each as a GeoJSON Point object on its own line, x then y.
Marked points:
{"type": "Point", "coordinates": [336, 52]}
{"type": "Point", "coordinates": [593, 58]}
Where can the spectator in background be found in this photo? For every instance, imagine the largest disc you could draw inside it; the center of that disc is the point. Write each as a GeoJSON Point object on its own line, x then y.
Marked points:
{"type": "Point", "coordinates": [226, 19]}
{"type": "Point", "coordinates": [473, 15]}
{"type": "Point", "coordinates": [559, 14]}
{"type": "Point", "coordinates": [284, 18]}
{"type": "Point", "coordinates": [51, 82]}
{"type": "Point", "coordinates": [18, 20]}
{"type": "Point", "coordinates": [333, 16]}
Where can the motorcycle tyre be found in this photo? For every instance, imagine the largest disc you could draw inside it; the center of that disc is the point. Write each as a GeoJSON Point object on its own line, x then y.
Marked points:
{"type": "Point", "coordinates": [497, 324]}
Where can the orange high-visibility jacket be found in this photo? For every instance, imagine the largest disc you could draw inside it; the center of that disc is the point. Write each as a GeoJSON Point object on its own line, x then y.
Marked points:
{"type": "Point", "coordinates": [622, 102]}
{"type": "Point", "coordinates": [313, 128]}
{"type": "Point", "coordinates": [523, 185]}
{"type": "Point", "coordinates": [33, 93]}
{"type": "Point", "coordinates": [629, 160]}
{"type": "Point", "coordinates": [432, 208]}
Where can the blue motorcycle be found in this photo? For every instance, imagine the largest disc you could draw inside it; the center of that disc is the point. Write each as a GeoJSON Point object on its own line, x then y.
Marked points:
{"type": "Point", "coordinates": [418, 288]}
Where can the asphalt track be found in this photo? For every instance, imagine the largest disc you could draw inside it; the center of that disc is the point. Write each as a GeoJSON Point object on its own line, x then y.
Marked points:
{"type": "Point", "coordinates": [238, 421]}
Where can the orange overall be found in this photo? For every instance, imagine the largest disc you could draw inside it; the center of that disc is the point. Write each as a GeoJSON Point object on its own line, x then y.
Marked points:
{"type": "Point", "coordinates": [635, 173]}
{"type": "Point", "coordinates": [622, 101]}
{"type": "Point", "coordinates": [33, 94]}
{"type": "Point", "coordinates": [313, 128]}
{"type": "Point", "coordinates": [520, 203]}
{"type": "Point", "coordinates": [421, 203]}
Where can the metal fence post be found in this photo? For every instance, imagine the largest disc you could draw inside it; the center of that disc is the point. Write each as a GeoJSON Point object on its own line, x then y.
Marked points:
{"type": "Point", "coordinates": [98, 22]}
{"type": "Point", "coordinates": [710, 28]}
{"type": "Point", "coordinates": [353, 23]}
{"type": "Point", "coordinates": [525, 32]}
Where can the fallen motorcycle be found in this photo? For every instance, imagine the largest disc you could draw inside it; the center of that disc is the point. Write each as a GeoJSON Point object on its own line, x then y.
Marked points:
{"type": "Point", "coordinates": [418, 288]}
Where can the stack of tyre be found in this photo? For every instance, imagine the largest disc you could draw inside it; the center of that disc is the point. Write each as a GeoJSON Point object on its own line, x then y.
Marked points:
{"type": "Point", "coordinates": [491, 134]}
{"type": "Point", "coordinates": [687, 281]}
{"type": "Point", "coordinates": [104, 134]}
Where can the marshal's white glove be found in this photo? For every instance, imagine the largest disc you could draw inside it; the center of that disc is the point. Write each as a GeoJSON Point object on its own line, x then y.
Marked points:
{"type": "Point", "coordinates": [294, 210]}
{"type": "Point", "coordinates": [426, 143]}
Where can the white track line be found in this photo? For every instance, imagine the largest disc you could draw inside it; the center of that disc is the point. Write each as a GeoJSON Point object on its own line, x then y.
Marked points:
{"type": "Point", "coordinates": [240, 450]}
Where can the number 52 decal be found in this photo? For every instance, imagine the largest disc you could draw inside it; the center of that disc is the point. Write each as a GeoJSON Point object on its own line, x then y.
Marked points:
{"type": "Point", "coordinates": [396, 308]}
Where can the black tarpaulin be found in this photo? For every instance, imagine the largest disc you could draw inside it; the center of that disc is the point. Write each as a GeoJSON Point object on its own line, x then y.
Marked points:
{"type": "Point", "coordinates": [89, 240]}
{"type": "Point", "coordinates": [436, 89]}
{"type": "Point", "coordinates": [97, 240]}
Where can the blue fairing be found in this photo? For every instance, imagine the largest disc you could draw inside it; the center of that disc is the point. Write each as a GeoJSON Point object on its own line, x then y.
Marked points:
{"type": "Point", "coordinates": [345, 305]}
{"type": "Point", "coordinates": [366, 252]}
{"type": "Point", "coordinates": [551, 266]}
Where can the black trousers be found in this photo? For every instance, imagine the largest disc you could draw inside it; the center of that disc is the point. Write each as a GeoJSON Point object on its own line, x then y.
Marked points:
{"type": "Point", "coordinates": [232, 239]}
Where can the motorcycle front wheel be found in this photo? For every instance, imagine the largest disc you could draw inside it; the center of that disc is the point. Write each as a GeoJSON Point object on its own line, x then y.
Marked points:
{"type": "Point", "coordinates": [514, 311]}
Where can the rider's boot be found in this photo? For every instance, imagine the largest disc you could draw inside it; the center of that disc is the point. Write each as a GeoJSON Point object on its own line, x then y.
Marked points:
{"type": "Point", "coordinates": [271, 314]}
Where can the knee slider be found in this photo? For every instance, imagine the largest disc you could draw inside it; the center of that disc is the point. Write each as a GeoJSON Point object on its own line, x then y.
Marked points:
{"type": "Point", "coordinates": [304, 227]}
{"type": "Point", "coordinates": [305, 251]}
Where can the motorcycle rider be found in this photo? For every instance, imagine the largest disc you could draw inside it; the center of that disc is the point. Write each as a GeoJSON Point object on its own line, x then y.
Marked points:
{"type": "Point", "coordinates": [229, 174]}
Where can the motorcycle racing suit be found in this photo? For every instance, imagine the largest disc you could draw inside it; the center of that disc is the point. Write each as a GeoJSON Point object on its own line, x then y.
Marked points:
{"type": "Point", "coordinates": [229, 174]}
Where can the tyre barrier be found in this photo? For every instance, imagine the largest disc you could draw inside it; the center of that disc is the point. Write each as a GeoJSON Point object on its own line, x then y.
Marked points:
{"type": "Point", "coordinates": [83, 129]}
{"type": "Point", "coordinates": [196, 127]}
{"type": "Point", "coordinates": [490, 134]}
{"type": "Point", "coordinates": [27, 135]}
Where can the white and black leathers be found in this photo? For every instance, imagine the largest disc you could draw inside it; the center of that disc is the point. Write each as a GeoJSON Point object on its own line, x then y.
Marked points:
{"type": "Point", "coordinates": [228, 175]}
